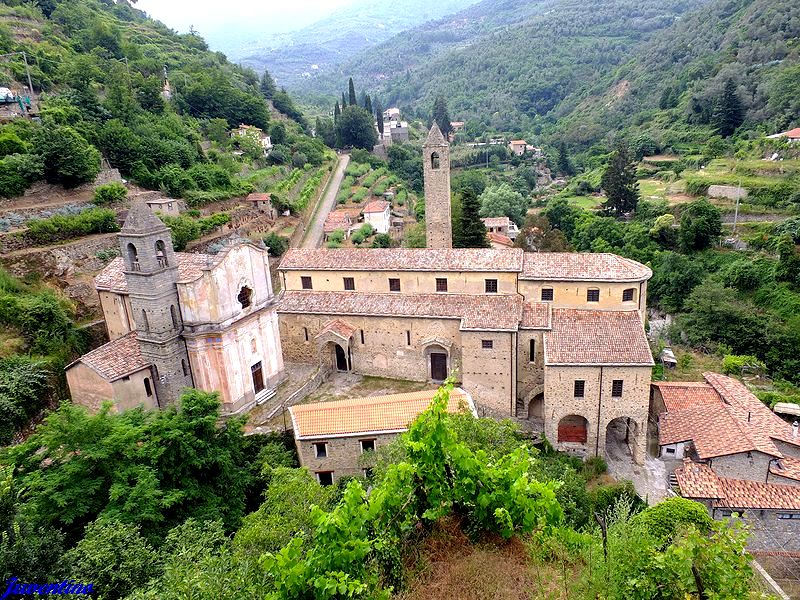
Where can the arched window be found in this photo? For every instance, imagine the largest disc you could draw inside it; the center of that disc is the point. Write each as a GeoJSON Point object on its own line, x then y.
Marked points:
{"type": "Point", "coordinates": [174, 314]}
{"type": "Point", "coordinates": [185, 367]}
{"type": "Point", "coordinates": [244, 297]}
{"type": "Point", "coordinates": [161, 253]}
{"type": "Point", "coordinates": [147, 389]}
{"type": "Point", "coordinates": [435, 160]}
{"type": "Point", "coordinates": [133, 258]}
{"type": "Point", "coordinates": [145, 322]}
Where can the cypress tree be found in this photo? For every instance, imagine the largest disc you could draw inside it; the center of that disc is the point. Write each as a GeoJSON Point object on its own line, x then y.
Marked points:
{"type": "Point", "coordinates": [352, 91]}
{"type": "Point", "coordinates": [344, 101]}
{"type": "Point", "coordinates": [379, 116]}
{"type": "Point", "coordinates": [368, 104]}
{"type": "Point", "coordinates": [619, 182]}
{"type": "Point", "coordinates": [728, 112]}
{"type": "Point", "coordinates": [563, 163]}
{"type": "Point", "coordinates": [336, 112]}
{"type": "Point", "coordinates": [267, 86]}
{"type": "Point", "coordinates": [441, 116]}
{"type": "Point", "coordinates": [473, 231]}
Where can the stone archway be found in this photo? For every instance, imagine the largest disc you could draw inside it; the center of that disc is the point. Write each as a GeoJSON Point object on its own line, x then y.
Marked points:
{"type": "Point", "coordinates": [334, 343]}
{"type": "Point", "coordinates": [573, 429]}
{"type": "Point", "coordinates": [437, 357]}
{"type": "Point", "coordinates": [536, 408]}
{"type": "Point", "coordinates": [622, 439]}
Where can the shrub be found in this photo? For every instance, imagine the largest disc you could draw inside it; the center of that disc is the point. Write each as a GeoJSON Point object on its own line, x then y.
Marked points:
{"type": "Point", "coordinates": [183, 229]}
{"type": "Point", "coordinates": [277, 245]}
{"type": "Point", "coordinates": [110, 193]}
{"type": "Point", "coordinates": [594, 467]}
{"type": "Point", "coordinates": [670, 517]}
{"type": "Point", "coordinates": [210, 223]}
{"type": "Point", "coordinates": [64, 227]}
{"type": "Point", "coordinates": [332, 244]}
{"type": "Point", "coordinates": [18, 172]}
{"type": "Point", "coordinates": [732, 364]}
{"type": "Point", "coordinates": [336, 236]}
{"type": "Point", "coordinates": [382, 240]}
{"type": "Point", "coordinates": [68, 158]}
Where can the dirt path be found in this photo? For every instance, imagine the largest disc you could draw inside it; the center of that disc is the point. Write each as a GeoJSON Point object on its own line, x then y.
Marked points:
{"type": "Point", "coordinates": [313, 236]}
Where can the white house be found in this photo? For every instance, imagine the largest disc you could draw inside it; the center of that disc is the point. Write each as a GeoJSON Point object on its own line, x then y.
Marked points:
{"type": "Point", "coordinates": [378, 214]}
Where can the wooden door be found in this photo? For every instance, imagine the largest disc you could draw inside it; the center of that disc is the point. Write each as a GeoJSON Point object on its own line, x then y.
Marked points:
{"type": "Point", "coordinates": [438, 366]}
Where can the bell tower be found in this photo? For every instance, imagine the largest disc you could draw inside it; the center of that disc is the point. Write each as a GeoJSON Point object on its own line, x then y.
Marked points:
{"type": "Point", "coordinates": [151, 272]}
{"type": "Point", "coordinates": [436, 167]}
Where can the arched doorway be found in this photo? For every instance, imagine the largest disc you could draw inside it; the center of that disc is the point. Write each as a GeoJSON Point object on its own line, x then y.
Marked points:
{"type": "Point", "coordinates": [438, 362]}
{"type": "Point", "coordinates": [573, 429]}
{"type": "Point", "coordinates": [536, 408]}
{"type": "Point", "coordinates": [622, 436]}
{"type": "Point", "coordinates": [341, 358]}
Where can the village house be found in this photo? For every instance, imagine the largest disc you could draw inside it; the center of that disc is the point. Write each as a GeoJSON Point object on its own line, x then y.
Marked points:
{"type": "Point", "coordinates": [256, 133]}
{"type": "Point", "coordinates": [178, 320]}
{"type": "Point", "coordinates": [517, 147]}
{"type": "Point", "coordinates": [339, 438]}
{"type": "Point", "coordinates": [391, 114]}
{"type": "Point", "coordinates": [263, 203]}
{"type": "Point", "coordinates": [792, 136]}
{"type": "Point", "coordinates": [378, 214]}
{"type": "Point", "coordinates": [166, 206]}
{"type": "Point", "coordinates": [342, 219]}
{"type": "Point", "coordinates": [398, 130]}
{"type": "Point", "coordinates": [501, 225]}
{"type": "Point", "coordinates": [498, 240]}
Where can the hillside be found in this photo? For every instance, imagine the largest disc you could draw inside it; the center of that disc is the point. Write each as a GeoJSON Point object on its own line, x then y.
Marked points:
{"type": "Point", "coordinates": [503, 63]}
{"type": "Point", "coordinates": [318, 48]}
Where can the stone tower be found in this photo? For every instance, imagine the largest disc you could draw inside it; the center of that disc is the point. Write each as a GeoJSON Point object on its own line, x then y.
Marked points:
{"type": "Point", "coordinates": [436, 165]}
{"type": "Point", "coordinates": [151, 272]}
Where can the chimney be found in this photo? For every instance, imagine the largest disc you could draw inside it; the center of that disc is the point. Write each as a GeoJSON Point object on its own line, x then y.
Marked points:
{"type": "Point", "coordinates": [795, 427]}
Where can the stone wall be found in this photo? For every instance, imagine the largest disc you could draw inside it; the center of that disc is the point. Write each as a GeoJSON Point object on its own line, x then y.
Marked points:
{"type": "Point", "coordinates": [731, 192]}
{"type": "Point", "coordinates": [530, 373]}
{"type": "Point", "coordinates": [753, 466]}
{"type": "Point", "coordinates": [344, 454]}
{"type": "Point", "coordinates": [59, 261]}
{"type": "Point", "coordinates": [487, 373]}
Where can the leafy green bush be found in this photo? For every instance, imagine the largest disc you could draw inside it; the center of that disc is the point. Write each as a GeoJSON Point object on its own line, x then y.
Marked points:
{"type": "Point", "coordinates": [277, 245]}
{"type": "Point", "coordinates": [594, 466]}
{"type": "Point", "coordinates": [18, 172]}
{"type": "Point", "coordinates": [336, 236]}
{"type": "Point", "coordinates": [382, 240]}
{"type": "Point", "coordinates": [65, 227]}
{"type": "Point", "coordinates": [110, 193]}
{"type": "Point", "coordinates": [183, 230]}
{"type": "Point", "coordinates": [362, 233]}
{"type": "Point", "coordinates": [68, 158]}
{"type": "Point", "coordinates": [355, 169]}
{"type": "Point", "coordinates": [733, 364]}
{"type": "Point", "coordinates": [670, 517]}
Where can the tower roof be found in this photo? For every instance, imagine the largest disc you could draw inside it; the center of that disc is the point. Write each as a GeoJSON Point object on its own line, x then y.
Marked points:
{"type": "Point", "coordinates": [435, 137]}
{"type": "Point", "coordinates": [141, 219]}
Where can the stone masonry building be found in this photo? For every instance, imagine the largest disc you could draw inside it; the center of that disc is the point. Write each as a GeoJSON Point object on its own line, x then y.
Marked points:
{"type": "Point", "coordinates": [180, 320]}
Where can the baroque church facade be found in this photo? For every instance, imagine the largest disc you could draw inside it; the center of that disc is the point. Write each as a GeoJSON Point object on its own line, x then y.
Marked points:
{"type": "Point", "coordinates": [556, 339]}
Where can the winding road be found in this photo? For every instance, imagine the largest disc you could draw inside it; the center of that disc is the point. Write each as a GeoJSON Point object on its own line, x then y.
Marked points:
{"type": "Point", "coordinates": [313, 236]}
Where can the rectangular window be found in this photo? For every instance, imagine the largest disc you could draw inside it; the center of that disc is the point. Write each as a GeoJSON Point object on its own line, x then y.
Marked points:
{"type": "Point", "coordinates": [408, 337]}
{"type": "Point", "coordinates": [487, 344]}
{"type": "Point", "coordinates": [394, 285]}
{"type": "Point", "coordinates": [491, 286]}
{"type": "Point", "coordinates": [258, 377]}
{"type": "Point", "coordinates": [547, 294]}
{"type": "Point", "coordinates": [362, 336]}
{"type": "Point", "coordinates": [147, 389]}
{"type": "Point", "coordinates": [616, 388]}
{"type": "Point", "coordinates": [349, 283]}
{"type": "Point", "coordinates": [580, 388]}
{"type": "Point", "coordinates": [325, 477]}
{"type": "Point", "coordinates": [321, 449]}
{"type": "Point", "coordinates": [627, 295]}
{"type": "Point", "coordinates": [593, 295]}
{"type": "Point", "coordinates": [367, 446]}
{"type": "Point", "coordinates": [670, 450]}
{"type": "Point", "coordinates": [305, 333]}
{"type": "Point", "coordinates": [441, 284]}
{"type": "Point", "coordinates": [787, 516]}
{"type": "Point", "coordinates": [305, 281]}
{"type": "Point", "coordinates": [532, 351]}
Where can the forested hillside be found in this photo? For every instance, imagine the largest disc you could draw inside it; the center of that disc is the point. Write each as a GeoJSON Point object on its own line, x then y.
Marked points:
{"type": "Point", "coordinates": [318, 49]}
{"type": "Point", "coordinates": [502, 63]}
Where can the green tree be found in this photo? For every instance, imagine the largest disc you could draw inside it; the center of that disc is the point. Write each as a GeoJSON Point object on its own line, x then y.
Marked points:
{"type": "Point", "coordinates": [379, 116]}
{"type": "Point", "coordinates": [472, 179]}
{"type": "Point", "coordinates": [336, 113]}
{"type": "Point", "coordinates": [267, 85]}
{"type": "Point", "coordinates": [277, 133]}
{"type": "Point", "coordinates": [473, 231]}
{"type": "Point", "coordinates": [114, 557]}
{"type": "Point", "coordinates": [619, 183]}
{"type": "Point", "coordinates": [441, 116]}
{"type": "Point", "coordinates": [503, 201]}
{"type": "Point", "coordinates": [701, 225]}
{"type": "Point", "coordinates": [352, 100]}
{"type": "Point", "coordinates": [344, 101]}
{"type": "Point", "coordinates": [381, 240]}
{"type": "Point", "coordinates": [537, 235]}
{"type": "Point", "coordinates": [415, 236]}
{"type": "Point", "coordinates": [109, 193]}
{"type": "Point", "coordinates": [563, 163]}
{"type": "Point", "coordinates": [788, 267]}
{"type": "Point", "coordinates": [10, 143]}
{"type": "Point", "coordinates": [68, 158]}
{"type": "Point", "coordinates": [368, 104]}
{"type": "Point", "coordinates": [326, 131]}
{"type": "Point", "coordinates": [355, 129]}
{"type": "Point", "coordinates": [674, 277]}
{"type": "Point", "coordinates": [728, 112]}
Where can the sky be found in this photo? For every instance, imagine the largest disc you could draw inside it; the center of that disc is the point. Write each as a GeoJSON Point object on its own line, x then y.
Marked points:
{"type": "Point", "coordinates": [220, 21]}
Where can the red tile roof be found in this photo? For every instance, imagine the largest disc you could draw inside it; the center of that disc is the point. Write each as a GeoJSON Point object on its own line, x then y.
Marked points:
{"type": "Point", "coordinates": [493, 313]}
{"type": "Point", "coordinates": [496, 221]}
{"type": "Point", "coordinates": [376, 206]}
{"type": "Point", "coordinates": [402, 259]}
{"type": "Point", "coordinates": [258, 197]}
{"type": "Point", "coordinates": [341, 328]}
{"type": "Point", "coordinates": [337, 220]}
{"type": "Point", "coordinates": [738, 422]}
{"type": "Point", "coordinates": [570, 266]}
{"type": "Point", "coordinates": [788, 467]}
{"type": "Point", "coordinates": [680, 395]}
{"type": "Point", "coordinates": [376, 414]}
{"type": "Point", "coordinates": [699, 481]}
{"type": "Point", "coordinates": [498, 239]}
{"type": "Point", "coordinates": [190, 267]}
{"type": "Point", "coordinates": [116, 359]}
{"type": "Point", "coordinates": [596, 337]}
{"type": "Point", "coordinates": [792, 133]}
{"type": "Point", "coordinates": [535, 315]}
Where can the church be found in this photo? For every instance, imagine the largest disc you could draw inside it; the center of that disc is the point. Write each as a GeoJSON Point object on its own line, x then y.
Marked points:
{"type": "Point", "coordinates": [556, 339]}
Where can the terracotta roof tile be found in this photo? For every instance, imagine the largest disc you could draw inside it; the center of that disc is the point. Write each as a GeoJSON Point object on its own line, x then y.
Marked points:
{"type": "Point", "coordinates": [697, 480]}
{"type": "Point", "coordinates": [596, 337]}
{"type": "Point", "coordinates": [711, 428]}
{"type": "Point", "coordinates": [368, 415]}
{"type": "Point", "coordinates": [570, 266]}
{"type": "Point", "coordinates": [402, 259]}
{"type": "Point", "coordinates": [499, 239]}
{"type": "Point", "coordinates": [341, 328]}
{"type": "Point", "coordinates": [680, 395]}
{"type": "Point", "coordinates": [495, 313]}
{"type": "Point", "coordinates": [337, 220]}
{"type": "Point", "coordinates": [535, 315]}
{"type": "Point", "coordinates": [376, 206]}
{"type": "Point", "coordinates": [116, 359]}
{"type": "Point", "coordinates": [496, 221]}
{"type": "Point", "coordinates": [788, 467]}
{"type": "Point", "coordinates": [258, 197]}
{"type": "Point", "coordinates": [190, 267]}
